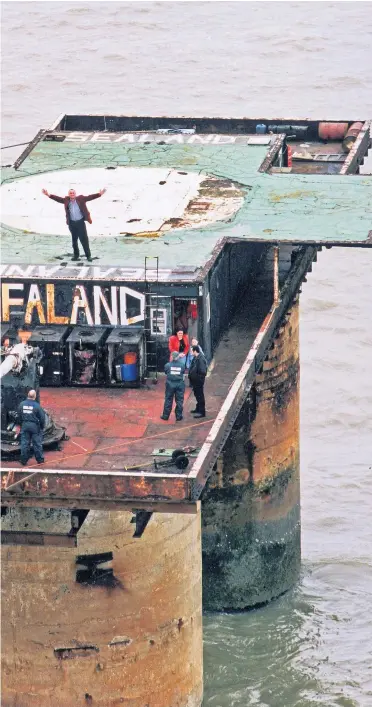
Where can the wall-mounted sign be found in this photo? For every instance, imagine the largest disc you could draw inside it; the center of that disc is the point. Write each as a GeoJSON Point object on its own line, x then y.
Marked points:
{"type": "Point", "coordinates": [95, 272]}
{"type": "Point", "coordinates": [71, 303]}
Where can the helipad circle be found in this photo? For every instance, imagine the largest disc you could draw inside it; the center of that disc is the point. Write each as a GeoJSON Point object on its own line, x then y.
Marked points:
{"type": "Point", "coordinates": [138, 200]}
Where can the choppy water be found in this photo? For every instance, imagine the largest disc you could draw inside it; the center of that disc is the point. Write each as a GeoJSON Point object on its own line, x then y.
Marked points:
{"type": "Point", "coordinates": [314, 645]}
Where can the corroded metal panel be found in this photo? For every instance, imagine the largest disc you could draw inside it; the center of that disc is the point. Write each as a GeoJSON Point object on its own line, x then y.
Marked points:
{"type": "Point", "coordinates": [73, 484]}
{"type": "Point", "coordinates": [11, 537]}
{"type": "Point", "coordinates": [129, 635]}
{"type": "Point", "coordinates": [95, 504]}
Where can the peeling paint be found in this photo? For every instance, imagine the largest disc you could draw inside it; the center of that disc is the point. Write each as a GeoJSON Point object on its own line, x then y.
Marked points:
{"type": "Point", "coordinates": [298, 194]}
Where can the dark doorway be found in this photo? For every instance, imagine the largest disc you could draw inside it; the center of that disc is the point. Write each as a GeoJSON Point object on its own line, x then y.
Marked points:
{"type": "Point", "coordinates": [185, 316]}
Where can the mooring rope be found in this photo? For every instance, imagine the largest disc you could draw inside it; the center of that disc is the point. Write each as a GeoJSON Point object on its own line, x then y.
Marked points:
{"type": "Point", "coordinates": [103, 449]}
{"type": "Point", "coordinates": [19, 144]}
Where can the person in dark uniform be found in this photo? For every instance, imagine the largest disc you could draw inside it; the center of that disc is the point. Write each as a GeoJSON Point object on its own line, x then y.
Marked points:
{"type": "Point", "coordinates": [174, 386]}
{"type": "Point", "coordinates": [32, 420]}
{"type": "Point", "coordinates": [197, 373]}
{"type": "Point", "coordinates": [76, 215]}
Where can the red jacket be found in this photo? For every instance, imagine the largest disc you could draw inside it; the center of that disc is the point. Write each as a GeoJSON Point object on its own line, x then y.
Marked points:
{"type": "Point", "coordinates": [174, 344]}
{"type": "Point", "coordinates": [82, 203]}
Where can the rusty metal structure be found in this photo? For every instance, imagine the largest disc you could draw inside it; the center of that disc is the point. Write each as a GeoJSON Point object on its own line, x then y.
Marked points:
{"type": "Point", "coordinates": [210, 224]}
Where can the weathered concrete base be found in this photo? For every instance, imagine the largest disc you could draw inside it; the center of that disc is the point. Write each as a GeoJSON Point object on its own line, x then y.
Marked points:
{"type": "Point", "coordinates": [247, 563]}
{"type": "Point", "coordinates": [251, 505]}
{"type": "Point", "coordinates": [136, 641]}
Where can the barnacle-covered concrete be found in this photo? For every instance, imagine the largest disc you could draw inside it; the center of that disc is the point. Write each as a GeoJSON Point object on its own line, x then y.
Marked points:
{"type": "Point", "coordinates": [251, 504]}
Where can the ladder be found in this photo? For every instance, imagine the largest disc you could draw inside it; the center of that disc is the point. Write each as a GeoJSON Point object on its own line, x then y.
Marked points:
{"type": "Point", "coordinates": [151, 323]}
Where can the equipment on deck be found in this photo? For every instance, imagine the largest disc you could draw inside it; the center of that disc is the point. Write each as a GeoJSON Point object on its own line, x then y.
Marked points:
{"type": "Point", "coordinates": [19, 374]}
{"type": "Point", "coordinates": [125, 356]}
{"type": "Point", "coordinates": [85, 354]}
{"type": "Point", "coordinates": [175, 457]}
{"type": "Point", "coordinates": [51, 341]}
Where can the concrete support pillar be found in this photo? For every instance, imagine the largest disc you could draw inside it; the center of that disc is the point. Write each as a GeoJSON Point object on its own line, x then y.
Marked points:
{"type": "Point", "coordinates": [135, 642]}
{"type": "Point", "coordinates": [251, 504]}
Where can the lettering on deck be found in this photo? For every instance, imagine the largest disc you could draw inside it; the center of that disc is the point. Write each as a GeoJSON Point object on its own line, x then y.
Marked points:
{"type": "Point", "coordinates": [166, 138]}
{"type": "Point", "coordinates": [77, 273]}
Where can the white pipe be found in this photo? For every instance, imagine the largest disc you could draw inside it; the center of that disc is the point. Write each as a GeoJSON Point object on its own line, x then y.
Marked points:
{"type": "Point", "coordinates": [8, 364]}
{"type": "Point", "coordinates": [14, 359]}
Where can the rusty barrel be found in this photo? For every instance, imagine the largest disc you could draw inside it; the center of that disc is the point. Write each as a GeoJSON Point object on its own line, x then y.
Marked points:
{"type": "Point", "coordinates": [351, 136]}
{"type": "Point", "coordinates": [332, 131]}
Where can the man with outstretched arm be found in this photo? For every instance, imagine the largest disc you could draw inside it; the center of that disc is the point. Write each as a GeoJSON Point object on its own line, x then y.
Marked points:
{"type": "Point", "coordinates": [76, 215]}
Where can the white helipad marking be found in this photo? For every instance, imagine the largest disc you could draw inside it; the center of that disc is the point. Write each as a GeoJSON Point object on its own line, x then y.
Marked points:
{"type": "Point", "coordinates": [135, 201]}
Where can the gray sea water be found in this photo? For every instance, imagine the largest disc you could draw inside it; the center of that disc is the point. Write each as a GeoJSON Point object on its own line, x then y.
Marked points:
{"type": "Point", "coordinates": [277, 59]}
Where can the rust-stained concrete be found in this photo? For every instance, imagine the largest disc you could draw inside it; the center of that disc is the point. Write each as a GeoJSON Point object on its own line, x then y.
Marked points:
{"type": "Point", "coordinates": [135, 643]}
{"type": "Point", "coordinates": [251, 504]}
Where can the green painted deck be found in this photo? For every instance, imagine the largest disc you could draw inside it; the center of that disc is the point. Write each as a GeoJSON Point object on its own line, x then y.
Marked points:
{"type": "Point", "coordinates": [296, 208]}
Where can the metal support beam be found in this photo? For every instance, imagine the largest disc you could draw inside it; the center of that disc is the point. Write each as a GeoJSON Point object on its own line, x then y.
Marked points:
{"type": "Point", "coordinates": [66, 485]}
{"type": "Point", "coordinates": [21, 537]}
{"type": "Point", "coordinates": [358, 151]}
{"type": "Point", "coordinates": [102, 505]}
{"type": "Point", "coordinates": [276, 275]}
{"type": "Point", "coordinates": [275, 150]}
{"type": "Point", "coordinates": [38, 137]}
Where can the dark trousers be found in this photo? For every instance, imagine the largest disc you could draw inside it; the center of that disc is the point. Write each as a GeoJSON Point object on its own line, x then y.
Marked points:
{"type": "Point", "coordinates": [78, 231]}
{"type": "Point", "coordinates": [177, 391]}
{"type": "Point", "coordinates": [198, 390]}
{"type": "Point", "coordinates": [30, 436]}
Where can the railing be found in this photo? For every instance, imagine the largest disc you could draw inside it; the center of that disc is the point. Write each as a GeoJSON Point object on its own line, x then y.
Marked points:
{"type": "Point", "coordinates": [243, 382]}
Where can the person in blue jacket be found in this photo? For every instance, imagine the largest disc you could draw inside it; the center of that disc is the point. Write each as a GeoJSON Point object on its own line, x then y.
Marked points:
{"type": "Point", "coordinates": [174, 386]}
{"type": "Point", "coordinates": [32, 420]}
